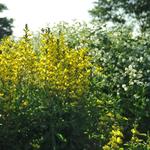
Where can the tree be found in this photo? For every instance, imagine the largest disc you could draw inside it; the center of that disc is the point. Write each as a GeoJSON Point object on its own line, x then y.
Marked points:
{"type": "Point", "coordinates": [5, 24]}
{"type": "Point", "coordinates": [119, 11]}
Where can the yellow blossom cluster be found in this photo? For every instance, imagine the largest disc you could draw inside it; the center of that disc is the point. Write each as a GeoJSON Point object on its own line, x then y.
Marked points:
{"type": "Point", "coordinates": [115, 140]}
{"type": "Point", "coordinates": [53, 65]}
{"type": "Point", "coordinates": [17, 62]}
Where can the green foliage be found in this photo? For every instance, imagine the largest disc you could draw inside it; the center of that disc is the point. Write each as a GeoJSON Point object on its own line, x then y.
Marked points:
{"type": "Point", "coordinates": [124, 61]}
{"type": "Point", "coordinates": [5, 24]}
{"type": "Point", "coordinates": [137, 140]}
{"type": "Point", "coordinates": [75, 87]}
{"type": "Point", "coordinates": [120, 10]}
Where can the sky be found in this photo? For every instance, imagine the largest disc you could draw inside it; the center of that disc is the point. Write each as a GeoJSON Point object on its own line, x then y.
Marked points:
{"type": "Point", "coordinates": [42, 13]}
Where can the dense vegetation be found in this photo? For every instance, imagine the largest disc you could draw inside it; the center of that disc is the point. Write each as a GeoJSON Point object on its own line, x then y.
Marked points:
{"type": "Point", "coordinates": [80, 86]}
{"type": "Point", "coordinates": [75, 87]}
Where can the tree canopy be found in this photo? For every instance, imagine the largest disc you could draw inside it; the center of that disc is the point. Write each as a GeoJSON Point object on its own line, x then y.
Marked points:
{"type": "Point", "coordinates": [120, 10]}
{"type": "Point", "coordinates": [5, 23]}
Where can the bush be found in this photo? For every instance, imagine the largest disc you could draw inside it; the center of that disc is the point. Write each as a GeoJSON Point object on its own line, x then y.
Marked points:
{"type": "Point", "coordinates": [44, 94]}
{"type": "Point", "coordinates": [74, 87]}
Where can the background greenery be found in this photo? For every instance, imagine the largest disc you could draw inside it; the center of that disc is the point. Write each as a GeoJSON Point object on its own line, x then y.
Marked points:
{"type": "Point", "coordinates": [5, 23]}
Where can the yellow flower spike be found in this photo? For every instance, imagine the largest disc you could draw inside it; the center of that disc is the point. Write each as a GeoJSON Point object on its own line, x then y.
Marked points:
{"type": "Point", "coordinates": [116, 138]}
{"type": "Point", "coordinates": [54, 65]}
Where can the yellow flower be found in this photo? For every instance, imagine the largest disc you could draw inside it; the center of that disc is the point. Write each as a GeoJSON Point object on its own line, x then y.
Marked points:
{"type": "Point", "coordinates": [119, 140]}
{"type": "Point", "coordinates": [110, 115]}
{"type": "Point", "coordinates": [106, 147]}
{"type": "Point", "coordinates": [1, 94]}
{"type": "Point", "coordinates": [116, 138]}
{"type": "Point", "coordinates": [134, 131]}
{"type": "Point", "coordinates": [25, 103]}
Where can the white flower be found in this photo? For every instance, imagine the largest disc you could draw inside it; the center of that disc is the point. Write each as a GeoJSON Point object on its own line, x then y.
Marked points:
{"type": "Point", "coordinates": [124, 87]}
